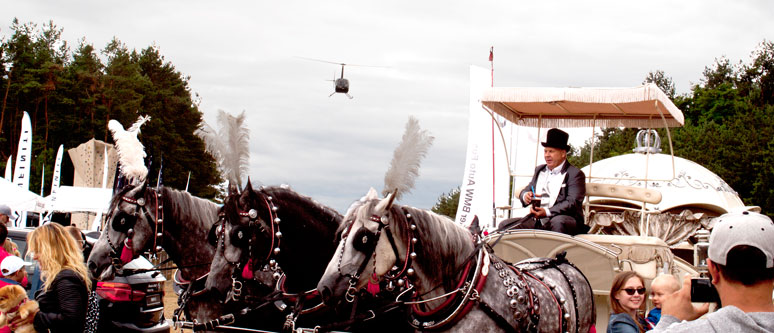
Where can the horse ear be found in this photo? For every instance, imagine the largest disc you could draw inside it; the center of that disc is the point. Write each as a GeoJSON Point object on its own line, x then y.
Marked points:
{"type": "Point", "coordinates": [232, 189]}
{"type": "Point", "coordinates": [386, 203]}
{"type": "Point", "coordinates": [371, 195]}
{"type": "Point", "coordinates": [138, 189]}
{"type": "Point", "coordinates": [249, 186]}
{"type": "Point", "coordinates": [474, 227]}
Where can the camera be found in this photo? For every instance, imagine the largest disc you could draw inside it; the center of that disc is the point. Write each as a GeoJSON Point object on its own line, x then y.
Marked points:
{"type": "Point", "coordinates": [702, 290]}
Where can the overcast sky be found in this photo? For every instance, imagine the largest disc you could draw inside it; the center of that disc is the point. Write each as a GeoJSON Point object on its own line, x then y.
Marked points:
{"type": "Point", "coordinates": [244, 56]}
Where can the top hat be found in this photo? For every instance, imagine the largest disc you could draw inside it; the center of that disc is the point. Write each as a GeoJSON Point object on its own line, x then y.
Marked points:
{"type": "Point", "coordinates": [556, 138]}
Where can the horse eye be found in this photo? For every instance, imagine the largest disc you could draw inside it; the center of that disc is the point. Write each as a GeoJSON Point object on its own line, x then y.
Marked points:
{"type": "Point", "coordinates": [364, 240]}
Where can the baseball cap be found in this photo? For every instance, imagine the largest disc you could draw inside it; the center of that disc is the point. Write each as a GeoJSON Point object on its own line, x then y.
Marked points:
{"type": "Point", "coordinates": [742, 228]}
{"type": "Point", "coordinates": [5, 210]}
{"type": "Point", "coordinates": [11, 264]}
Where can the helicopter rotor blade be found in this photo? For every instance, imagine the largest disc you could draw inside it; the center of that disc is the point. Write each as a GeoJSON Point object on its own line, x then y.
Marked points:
{"type": "Point", "coordinates": [341, 63]}
{"type": "Point", "coordinates": [320, 60]}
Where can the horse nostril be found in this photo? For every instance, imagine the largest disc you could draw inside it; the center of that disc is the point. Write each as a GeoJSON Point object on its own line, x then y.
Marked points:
{"type": "Point", "coordinates": [326, 294]}
{"type": "Point", "coordinates": [92, 266]}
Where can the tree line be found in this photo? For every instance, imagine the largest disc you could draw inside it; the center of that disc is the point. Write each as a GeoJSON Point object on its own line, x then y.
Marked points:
{"type": "Point", "coordinates": [729, 128]}
{"type": "Point", "coordinates": [71, 94]}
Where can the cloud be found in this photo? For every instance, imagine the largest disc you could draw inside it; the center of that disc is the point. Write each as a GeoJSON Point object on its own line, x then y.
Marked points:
{"type": "Point", "coordinates": [243, 56]}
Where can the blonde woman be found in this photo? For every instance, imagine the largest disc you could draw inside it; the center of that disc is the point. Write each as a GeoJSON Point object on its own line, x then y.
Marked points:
{"type": "Point", "coordinates": [63, 299]}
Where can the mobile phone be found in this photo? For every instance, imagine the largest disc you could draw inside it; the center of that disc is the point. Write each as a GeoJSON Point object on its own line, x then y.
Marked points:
{"type": "Point", "coordinates": [702, 291]}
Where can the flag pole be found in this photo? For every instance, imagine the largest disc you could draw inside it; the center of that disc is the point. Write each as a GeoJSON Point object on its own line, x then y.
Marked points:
{"type": "Point", "coordinates": [494, 208]}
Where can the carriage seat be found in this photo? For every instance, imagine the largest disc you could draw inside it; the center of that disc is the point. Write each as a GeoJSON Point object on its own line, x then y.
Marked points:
{"type": "Point", "coordinates": [632, 193]}
{"type": "Point", "coordinates": [606, 196]}
{"type": "Point", "coordinates": [645, 254]}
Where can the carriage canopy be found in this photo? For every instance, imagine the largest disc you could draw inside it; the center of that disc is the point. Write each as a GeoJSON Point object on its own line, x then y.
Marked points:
{"type": "Point", "coordinates": [644, 106]}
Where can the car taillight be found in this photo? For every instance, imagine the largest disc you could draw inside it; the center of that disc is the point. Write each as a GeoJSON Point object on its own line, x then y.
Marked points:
{"type": "Point", "coordinates": [119, 292]}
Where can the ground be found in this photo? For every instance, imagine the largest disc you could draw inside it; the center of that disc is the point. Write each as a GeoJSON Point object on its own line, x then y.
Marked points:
{"type": "Point", "coordinates": [170, 303]}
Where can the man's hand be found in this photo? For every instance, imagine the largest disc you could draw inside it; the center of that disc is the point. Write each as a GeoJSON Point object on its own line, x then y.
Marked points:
{"type": "Point", "coordinates": [537, 211]}
{"type": "Point", "coordinates": [678, 304]}
{"type": "Point", "coordinates": [528, 197]}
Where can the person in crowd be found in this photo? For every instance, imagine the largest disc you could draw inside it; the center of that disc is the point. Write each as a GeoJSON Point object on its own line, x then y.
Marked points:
{"type": "Point", "coordinates": [63, 299]}
{"type": "Point", "coordinates": [662, 285]}
{"type": "Point", "coordinates": [12, 269]}
{"type": "Point", "coordinates": [627, 295]}
{"type": "Point", "coordinates": [560, 188]}
{"type": "Point", "coordinates": [8, 246]}
{"type": "Point", "coordinates": [3, 237]}
{"type": "Point", "coordinates": [5, 214]}
{"type": "Point", "coordinates": [741, 266]}
{"type": "Point", "coordinates": [81, 239]}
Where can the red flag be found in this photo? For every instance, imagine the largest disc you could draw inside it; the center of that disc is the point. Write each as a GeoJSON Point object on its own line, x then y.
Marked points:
{"type": "Point", "coordinates": [491, 53]}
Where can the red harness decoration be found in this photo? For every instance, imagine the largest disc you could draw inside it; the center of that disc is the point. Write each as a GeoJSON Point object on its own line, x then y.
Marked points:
{"type": "Point", "coordinates": [458, 305]}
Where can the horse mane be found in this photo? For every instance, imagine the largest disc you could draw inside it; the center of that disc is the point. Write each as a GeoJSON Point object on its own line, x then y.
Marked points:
{"type": "Point", "coordinates": [443, 245]}
{"type": "Point", "coordinates": [231, 204]}
{"type": "Point", "coordinates": [288, 194]}
{"type": "Point", "coordinates": [188, 207]}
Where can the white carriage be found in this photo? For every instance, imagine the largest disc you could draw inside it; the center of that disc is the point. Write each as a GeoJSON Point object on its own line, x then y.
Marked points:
{"type": "Point", "coordinates": [641, 207]}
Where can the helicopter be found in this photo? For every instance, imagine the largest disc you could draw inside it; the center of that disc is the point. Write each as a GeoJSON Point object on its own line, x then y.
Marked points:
{"type": "Point", "coordinates": [340, 84]}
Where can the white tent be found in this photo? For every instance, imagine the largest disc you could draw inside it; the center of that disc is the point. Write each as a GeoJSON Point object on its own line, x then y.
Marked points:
{"type": "Point", "coordinates": [18, 198]}
{"type": "Point", "coordinates": [80, 199]}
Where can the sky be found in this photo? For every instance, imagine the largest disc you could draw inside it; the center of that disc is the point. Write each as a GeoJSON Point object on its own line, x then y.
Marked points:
{"type": "Point", "coordinates": [247, 56]}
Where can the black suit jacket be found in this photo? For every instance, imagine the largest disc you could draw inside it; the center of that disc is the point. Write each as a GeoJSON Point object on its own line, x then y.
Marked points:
{"type": "Point", "coordinates": [571, 194]}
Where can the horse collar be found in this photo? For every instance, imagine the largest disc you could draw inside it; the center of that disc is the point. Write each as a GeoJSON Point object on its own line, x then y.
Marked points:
{"type": "Point", "coordinates": [455, 307]}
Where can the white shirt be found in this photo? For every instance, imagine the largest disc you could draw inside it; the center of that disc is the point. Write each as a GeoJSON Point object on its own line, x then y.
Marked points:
{"type": "Point", "coordinates": [545, 179]}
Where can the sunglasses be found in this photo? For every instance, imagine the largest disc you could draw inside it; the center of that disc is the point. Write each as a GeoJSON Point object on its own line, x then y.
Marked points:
{"type": "Point", "coordinates": [631, 291]}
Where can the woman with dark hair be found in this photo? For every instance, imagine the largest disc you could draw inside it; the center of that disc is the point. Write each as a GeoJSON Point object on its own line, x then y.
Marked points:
{"type": "Point", "coordinates": [626, 296]}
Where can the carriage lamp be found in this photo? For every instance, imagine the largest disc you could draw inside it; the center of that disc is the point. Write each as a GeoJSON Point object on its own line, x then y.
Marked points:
{"type": "Point", "coordinates": [700, 252]}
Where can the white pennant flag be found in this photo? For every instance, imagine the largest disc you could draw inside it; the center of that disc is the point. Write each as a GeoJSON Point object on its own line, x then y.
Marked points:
{"type": "Point", "coordinates": [486, 177]}
{"type": "Point", "coordinates": [21, 173]}
{"type": "Point", "coordinates": [8, 170]}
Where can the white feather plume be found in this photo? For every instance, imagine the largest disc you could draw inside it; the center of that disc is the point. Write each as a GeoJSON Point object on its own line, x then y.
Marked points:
{"type": "Point", "coordinates": [404, 167]}
{"type": "Point", "coordinates": [230, 145]}
{"type": "Point", "coordinates": [131, 153]}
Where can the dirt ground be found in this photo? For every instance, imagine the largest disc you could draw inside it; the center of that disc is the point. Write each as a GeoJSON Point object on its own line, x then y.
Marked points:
{"type": "Point", "coordinates": [170, 304]}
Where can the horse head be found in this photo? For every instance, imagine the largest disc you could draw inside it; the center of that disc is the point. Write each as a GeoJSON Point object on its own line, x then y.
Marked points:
{"type": "Point", "coordinates": [375, 248]}
{"type": "Point", "coordinates": [248, 228]}
{"type": "Point", "coordinates": [134, 225]}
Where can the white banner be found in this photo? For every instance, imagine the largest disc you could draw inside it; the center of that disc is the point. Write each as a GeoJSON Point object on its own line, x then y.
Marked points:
{"type": "Point", "coordinates": [8, 170]}
{"type": "Point", "coordinates": [105, 168]}
{"type": "Point", "coordinates": [21, 173]}
{"type": "Point", "coordinates": [486, 180]}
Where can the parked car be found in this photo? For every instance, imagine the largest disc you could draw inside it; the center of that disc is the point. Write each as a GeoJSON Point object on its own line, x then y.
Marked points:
{"type": "Point", "coordinates": [131, 303]}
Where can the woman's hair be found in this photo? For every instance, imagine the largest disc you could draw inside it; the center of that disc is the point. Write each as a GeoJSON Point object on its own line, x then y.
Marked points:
{"type": "Point", "coordinates": [56, 250]}
{"type": "Point", "coordinates": [618, 284]}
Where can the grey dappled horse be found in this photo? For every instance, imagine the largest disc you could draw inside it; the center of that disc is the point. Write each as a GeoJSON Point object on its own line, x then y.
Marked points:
{"type": "Point", "coordinates": [142, 219]}
{"type": "Point", "coordinates": [449, 278]}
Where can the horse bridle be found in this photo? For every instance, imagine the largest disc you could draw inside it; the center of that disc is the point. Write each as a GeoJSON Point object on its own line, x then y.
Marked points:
{"type": "Point", "coordinates": [140, 210]}
{"type": "Point", "coordinates": [396, 276]}
{"type": "Point", "coordinates": [269, 262]}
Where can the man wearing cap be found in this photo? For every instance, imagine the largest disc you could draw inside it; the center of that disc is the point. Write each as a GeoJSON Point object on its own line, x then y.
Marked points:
{"type": "Point", "coordinates": [561, 188]}
{"type": "Point", "coordinates": [5, 214]}
{"type": "Point", "coordinates": [741, 266]}
{"type": "Point", "coordinates": [12, 269]}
